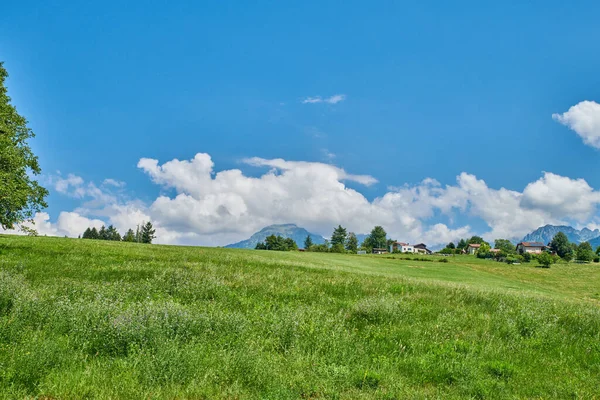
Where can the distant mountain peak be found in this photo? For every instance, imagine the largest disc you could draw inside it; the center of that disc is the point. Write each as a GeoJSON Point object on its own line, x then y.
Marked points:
{"type": "Point", "coordinates": [546, 233]}
{"type": "Point", "coordinates": [288, 230]}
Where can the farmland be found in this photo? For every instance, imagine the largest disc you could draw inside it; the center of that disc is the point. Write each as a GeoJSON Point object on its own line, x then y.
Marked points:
{"type": "Point", "coordinates": [96, 319]}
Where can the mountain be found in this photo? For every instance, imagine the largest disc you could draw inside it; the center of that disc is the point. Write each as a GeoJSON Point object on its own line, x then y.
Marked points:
{"type": "Point", "coordinates": [286, 230]}
{"type": "Point", "coordinates": [546, 233]}
{"type": "Point", "coordinates": [595, 243]}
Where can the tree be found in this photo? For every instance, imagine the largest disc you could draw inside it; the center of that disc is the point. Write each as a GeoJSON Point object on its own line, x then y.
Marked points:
{"type": "Point", "coordinates": [94, 234]}
{"type": "Point", "coordinates": [376, 239]}
{"type": "Point", "coordinates": [450, 246]}
{"type": "Point", "coordinates": [475, 240]}
{"type": "Point", "coordinates": [505, 245]}
{"type": "Point", "coordinates": [102, 235]}
{"type": "Point", "coordinates": [21, 196]}
{"type": "Point", "coordinates": [112, 234]}
{"type": "Point", "coordinates": [129, 236]}
{"type": "Point", "coordinates": [148, 233]}
{"type": "Point", "coordinates": [260, 246]}
{"type": "Point", "coordinates": [289, 244]}
{"type": "Point", "coordinates": [308, 243]}
{"type": "Point", "coordinates": [338, 238]}
{"type": "Point", "coordinates": [352, 243]}
{"type": "Point", "coordinates": [484, 251]}
{"type": "Point", "coordinates": [545, 260]}
{"type": "Point", "coordinates": [585, 252]}
{"type": "Point", "coordinates": [560, 245]}
{"type": "Point", "coordinates": [462, 244]}
{"type": "Point", "coordinates": [598, 251]}
{"type": "Point", "coordinates": [87, 234]}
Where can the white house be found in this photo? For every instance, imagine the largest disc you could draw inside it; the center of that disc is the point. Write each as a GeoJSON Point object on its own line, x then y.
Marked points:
{"type": "Point", "coordinates": [403, 247]}
{"type": "Point", "coordinates": [530, 247]}
{"type": "Point", "coordinates": [472, 248]}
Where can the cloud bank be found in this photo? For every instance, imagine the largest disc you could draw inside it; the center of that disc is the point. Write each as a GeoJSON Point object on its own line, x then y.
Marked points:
{"type": "Point", "coordinates": [200, 205]}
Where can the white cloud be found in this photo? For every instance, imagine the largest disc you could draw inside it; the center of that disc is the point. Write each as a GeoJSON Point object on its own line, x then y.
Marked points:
{"type": "Point", "coordinates": [560, 196]}
{"type": "Point", "coordinates": [62, 185]}
{"type": "Point", "coordinates": [113, 182]}
{"type": "Point", "coordinates": [584, 119]}
{"type": "Point", "coordinates": [218, 207]}
{"type": "Point", "coordinates": [312, 100]}
{"type": "Point", "coordinates": [336, 98]}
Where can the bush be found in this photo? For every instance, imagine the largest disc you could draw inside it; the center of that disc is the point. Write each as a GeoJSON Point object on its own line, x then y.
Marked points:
{"type": "Point", "coordinates": [527, 257]}
{"type": "Point", "coordinates": [596, 259]}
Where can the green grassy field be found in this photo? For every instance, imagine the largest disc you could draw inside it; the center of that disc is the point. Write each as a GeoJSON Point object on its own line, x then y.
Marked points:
{"type": "Point", "coordinates": [84, 319]}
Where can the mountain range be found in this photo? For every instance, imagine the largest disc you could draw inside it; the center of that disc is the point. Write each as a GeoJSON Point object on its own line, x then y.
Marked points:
{"type": "Point", "coordinates": [545, 234]}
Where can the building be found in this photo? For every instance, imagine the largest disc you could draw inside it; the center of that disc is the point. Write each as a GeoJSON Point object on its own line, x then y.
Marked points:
{"type": "Point", "coordinates": [379, 251]}
{"type": "Point", "coordinates": [402, 247]}
{"type": "Point", "coordinates": [472, 248]}
{"type": "Point", "coordinates": [422, 248]}
{"type": "Point", "coordinates": [530, 247]}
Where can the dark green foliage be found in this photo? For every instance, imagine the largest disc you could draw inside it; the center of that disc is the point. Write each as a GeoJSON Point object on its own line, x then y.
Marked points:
{"type": "Point", "coordinates": [450, 246]}
{"type": "Point", "coordinates": [338, 237]}
{"type": "Point", "coordinates": [277, 243]}
{"type": "Point", "coordinates": [352, 243]}
{"type": "Point", "coordinates": [462, 244]}
{"type": "Point", "coordinates": [560, 244]}
{"type": "Point", "coordinates": [505, 245]}
{"type": "Point", "coordinates": [147, 233]}
{"type": "Point", "coordinates": [129, 236]}
{"type": "Point", "coordinates": [545, 260]}
{"type": "Point", "coordinates": [20, 195]}
{"type": "Point", "coordinates": [376, 239]}
{"type": "Point", "coordinates": [308, 243]}
{"type": "Point", "coordinates": [94, 234]}
{"type": "Point", "coordinates": [585, 252]}
{"type": "Point", "coordinates": [476, 240]}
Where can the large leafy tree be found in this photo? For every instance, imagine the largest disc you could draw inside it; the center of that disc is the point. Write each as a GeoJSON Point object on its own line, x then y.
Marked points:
{"type": "Point", "coordinates": [505, 246]}
{"type": "Point", "coordinates": [585, 252]}
{"type": "Point", "coordinates": [560, 244]}
{"type": "Point", "coordinates": [377, 238]}
{"type": "Point", "coordinates": [476, 240]}
{"type": "Point", "coordinates": [20, 195]}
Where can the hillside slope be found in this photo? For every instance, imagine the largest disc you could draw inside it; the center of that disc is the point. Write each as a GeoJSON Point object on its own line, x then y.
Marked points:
{"type": "Point", "coordinates": [93, 319]}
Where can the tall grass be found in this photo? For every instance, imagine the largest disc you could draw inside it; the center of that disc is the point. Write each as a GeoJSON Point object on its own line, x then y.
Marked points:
{"type": "Point", "coordinates": [84, 319]}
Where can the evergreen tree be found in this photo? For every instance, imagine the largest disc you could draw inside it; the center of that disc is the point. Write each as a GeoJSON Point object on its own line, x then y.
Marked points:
{"type": "Point", "coordinates": [87, 234]}
{"type": "Point", "coordinates": [94, 234]}
{"type": "Point", "coordinates": [260, 246]}
{"type": "Point", "coordinates": [112, 234]}
{"type": "Point", "coordinates": [338, 238]}
{"type": "Point", "coordinates": [462, 244]}
{"type": "Point", "coordinates": [352, 243]}
{"type": "Point", "coordinates": [129, 236]}
{"type": "Point", "coordinates": [138, 235]}
{"type": "Point", "coordinates": [102, 235]}
{"type": "Point", "coordinates": [21, 197]}
{"type": "Point", "coordinates": [148, 233]}
{"type": "Point", "coordinates": [308, 243]}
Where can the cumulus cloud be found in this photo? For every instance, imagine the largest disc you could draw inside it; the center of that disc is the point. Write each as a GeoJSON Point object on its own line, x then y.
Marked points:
{"type": "Point", "coordinates": [584, 119]}
{"type": "Point", "coordinates": [205, 206]}
{"type": "Point", "coordinates": [62, 185]}
{"type": "Point", "coordinates": [336, 98]}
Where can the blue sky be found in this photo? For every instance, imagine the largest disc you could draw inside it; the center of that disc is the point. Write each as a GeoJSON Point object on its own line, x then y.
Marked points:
{"type": "Point", "coordinates": [426, 90]}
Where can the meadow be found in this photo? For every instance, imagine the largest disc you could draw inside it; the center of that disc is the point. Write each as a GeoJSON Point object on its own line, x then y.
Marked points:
{"type": "Point", "coordinates": [85, 319]}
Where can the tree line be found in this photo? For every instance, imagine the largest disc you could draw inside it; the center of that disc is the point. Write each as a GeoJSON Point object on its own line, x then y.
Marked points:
{"type": "Point", "coordinates": [145, 234]}
{"type": "Point", "coordinates": [341, 241]}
